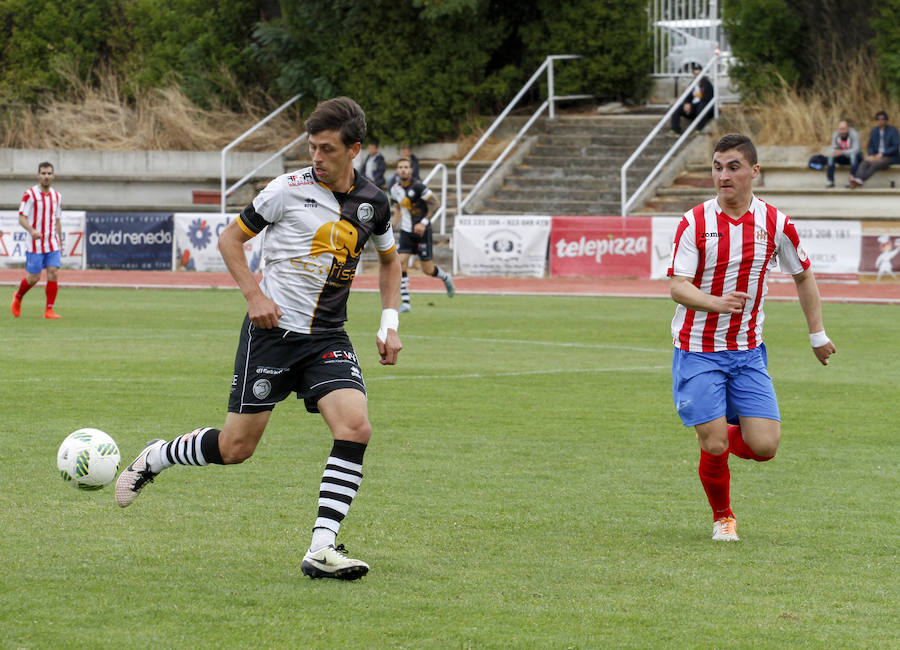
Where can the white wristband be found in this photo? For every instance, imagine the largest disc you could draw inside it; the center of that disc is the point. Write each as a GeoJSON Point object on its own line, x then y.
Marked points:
{"type": "Point", "coordinates": [426, 221]}
{"type": "Point", "coordinates": [818, 339]}
{"type": "Point", "coordinates": [390, 320]}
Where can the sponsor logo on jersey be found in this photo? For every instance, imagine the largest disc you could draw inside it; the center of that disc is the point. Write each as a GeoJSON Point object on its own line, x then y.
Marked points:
{"type": "Point", "coordinates": [262, 388]}
{"type": "Point", "coordinates": [306, 178]}
{"type": "Point", "coordinates": [365, 212]}
{"type": "Point", "coordinates": [340, 238]}
{"type": "Point", "coordinates": [311, 203]}
{"type": "Point", "coordinates": [705, 235]}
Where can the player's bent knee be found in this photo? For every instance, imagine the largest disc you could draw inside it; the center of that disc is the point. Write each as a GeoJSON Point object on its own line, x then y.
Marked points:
{"type": "Point", "coordinates": [715, 447]}
{"type": "Point", "coordinates": [234, 453]}
{"type": "Point", "coordinates": [356, 431]}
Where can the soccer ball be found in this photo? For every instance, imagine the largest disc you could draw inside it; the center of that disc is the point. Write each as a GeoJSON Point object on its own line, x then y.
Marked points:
{"type": "Point", "coordinates": [88, 459]}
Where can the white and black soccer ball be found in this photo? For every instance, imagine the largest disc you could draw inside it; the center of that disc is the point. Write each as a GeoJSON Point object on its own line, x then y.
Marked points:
{"type": "Point", "coordinates": [88, 459]}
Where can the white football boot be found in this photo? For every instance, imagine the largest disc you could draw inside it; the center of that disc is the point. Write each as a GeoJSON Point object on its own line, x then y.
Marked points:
{"type": "Point", "coordinates": [331, 562]}
{"type": "Point", "coordinates": [133, 479]}
{"type": "Point", "coordinates": [725, 530]}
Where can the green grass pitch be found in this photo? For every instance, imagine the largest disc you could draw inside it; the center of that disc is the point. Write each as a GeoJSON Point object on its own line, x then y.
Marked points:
{"type": "Point", "coordinates": [528, 485]}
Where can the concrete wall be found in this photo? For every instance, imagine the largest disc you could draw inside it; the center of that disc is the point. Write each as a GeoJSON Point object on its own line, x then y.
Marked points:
{"type": "Point", "coordinates": [79, 163]}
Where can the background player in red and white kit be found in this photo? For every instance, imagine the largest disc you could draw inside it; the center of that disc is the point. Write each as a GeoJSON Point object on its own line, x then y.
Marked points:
{"type": "Point", "coordinates": [414, 205]}
{"type": "Point", "coordinates": [722, 252]}
{"type": "Point", "coordinates": [39, 214]}
{"type": "Point", "coordinates": [317, 221]}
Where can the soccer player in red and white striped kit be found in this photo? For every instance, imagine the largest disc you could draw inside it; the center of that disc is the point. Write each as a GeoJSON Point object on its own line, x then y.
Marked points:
{"type": "Point", "coordinates": [723, 250]}
{"type": "Point", "coordinates": [39, 214]}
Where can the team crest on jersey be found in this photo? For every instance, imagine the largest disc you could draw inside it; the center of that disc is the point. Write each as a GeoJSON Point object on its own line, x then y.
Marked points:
{"type": "Point", "coordinates": [365, 212]}
{"type": "Point", "coordinates": [761, 235]}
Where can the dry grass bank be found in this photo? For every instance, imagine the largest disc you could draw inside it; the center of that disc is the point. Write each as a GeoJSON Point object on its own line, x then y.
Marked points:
{"type": "Point", "coordinates": [159, 119]}
{"type": "Point", "coordinates": [809, 118]}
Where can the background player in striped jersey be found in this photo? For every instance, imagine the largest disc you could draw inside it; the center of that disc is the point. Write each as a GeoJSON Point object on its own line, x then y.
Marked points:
{"type": "Point", "coordinates": [414, 205]}
{"type": "Point", "coordinates": [39, 214]}
{"type": "Point", "coordinates": [317, 221]}
{"type": "Point", "coordinates": [722, 252]}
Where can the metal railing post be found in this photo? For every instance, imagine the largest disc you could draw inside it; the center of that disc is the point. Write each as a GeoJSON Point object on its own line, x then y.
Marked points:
{"type": "Point", "coordinates": [223, 191]}
{"type": "Point", "coordinates": [442, 211]}
{"type": "Point", "coordinates": [626, 200]}
{"type": "Point", "coordinates": [547, 64]}
{"type": "Point", "coordinates": [550, 90]}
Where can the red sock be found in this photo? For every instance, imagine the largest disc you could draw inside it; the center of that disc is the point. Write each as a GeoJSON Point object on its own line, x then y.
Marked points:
{"type": "Point", "coordinates": [739, 448]}
{"type": "Point", "coordinates": [23, 288]}
{"type": "Point", "coordinates": [52, 288]}
{"type": "Point", "coordinates": [716, 480]}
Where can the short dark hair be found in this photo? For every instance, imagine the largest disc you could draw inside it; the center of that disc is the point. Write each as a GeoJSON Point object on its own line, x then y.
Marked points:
{"type": "Point", "coordinates": [403, 159]}
{"type": "Point", "coordinates": [881, 114]}
{"type": "Point", "coordinates": [740, 142]}
{"type": "Point", "coordinates": [45, 164]}
{"type": "Point", "coordinates": [339, 114]}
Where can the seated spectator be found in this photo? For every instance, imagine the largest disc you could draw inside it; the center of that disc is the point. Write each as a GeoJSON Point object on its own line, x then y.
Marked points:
{"type": "Point", "coordinates": [703, 94]}
{"type": "Point", "coordinates": [883, 150]}
{"type": "Point", "coordinates": [845, 150]}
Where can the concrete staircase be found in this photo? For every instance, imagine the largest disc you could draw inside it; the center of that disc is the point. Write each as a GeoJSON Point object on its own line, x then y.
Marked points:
{"type": "Point", "coordinates": [791, 187]}
{"type": "Point", "coordinates": [574, 166]}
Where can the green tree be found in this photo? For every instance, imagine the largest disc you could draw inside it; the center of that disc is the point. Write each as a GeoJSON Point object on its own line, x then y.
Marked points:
{"type": "Point", "coordinates": [765, 37]}
{"type": "Point", "coordinates": [886, 25]}
{"type": "Point", "coordinates": [611, 36]}
{"type": "Point", "coordinates": [43, 41]}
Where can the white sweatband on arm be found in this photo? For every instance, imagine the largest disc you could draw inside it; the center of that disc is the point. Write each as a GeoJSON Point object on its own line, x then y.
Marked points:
{"type": "Point", "coordinates": [818, 339]}
{"type": "Point", "coordinates": [390, 320]}
{"type": "Point", "coordinates": [426, 221]}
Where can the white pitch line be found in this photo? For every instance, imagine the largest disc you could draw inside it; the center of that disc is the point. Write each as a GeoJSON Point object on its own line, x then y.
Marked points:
{"type": "Point", "coordinates": [546, 371]}
{"type": "Point", "coordinates": [594, 346]}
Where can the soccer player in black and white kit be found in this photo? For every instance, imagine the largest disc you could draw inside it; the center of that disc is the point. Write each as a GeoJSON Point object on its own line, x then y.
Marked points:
{"type": "Point", "coordinates": [414, 205]}
{"type": "Point", "coordinates": [318, 220]}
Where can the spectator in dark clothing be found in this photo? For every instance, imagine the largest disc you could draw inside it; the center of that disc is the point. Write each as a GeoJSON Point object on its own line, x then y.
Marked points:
{"type": "Point", "coordinates": [703, 95]}
{"type": "Point", "coordinates": [373, 166]}
{"type": "Point", "coordinates": [884, 150]}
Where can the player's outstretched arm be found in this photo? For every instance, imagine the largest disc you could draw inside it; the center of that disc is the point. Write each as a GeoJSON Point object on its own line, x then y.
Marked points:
{"type": "Point", "coordinates": [685, 293]}
{"type": "Point", "coordinates": [262, 311]}
{"type": "Point", "coordinates": [387, 339]}
{"type": "Point", "coordinates": [811, 304]}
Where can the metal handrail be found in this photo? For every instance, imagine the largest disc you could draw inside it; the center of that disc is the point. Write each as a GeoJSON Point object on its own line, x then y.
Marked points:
{"type": "Point", "coordinates": [626, 201]}
{"type": "Point", "coordinates": [441, 211]}
{"type": "Point", "coordinates": [549, 102]}
{"type": "Point", "coordinates": [225, 192]}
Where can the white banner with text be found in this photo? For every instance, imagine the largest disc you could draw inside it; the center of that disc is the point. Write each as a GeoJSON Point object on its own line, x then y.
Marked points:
{"type": "Point", "coordinates": [504, 245]}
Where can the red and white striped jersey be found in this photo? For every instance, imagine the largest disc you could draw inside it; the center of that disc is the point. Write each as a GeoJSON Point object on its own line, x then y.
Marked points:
{"type": "Point", "coordinates": [42, 210]}
{"type": "Point", "coordinates": [719, 255]}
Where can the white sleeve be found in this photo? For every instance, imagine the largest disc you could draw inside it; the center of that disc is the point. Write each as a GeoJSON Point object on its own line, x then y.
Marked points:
{"type": "Point", "coordinates": [270, 202]}
{"type": "Point", "coordinates": [685, 256]}
{"type": "Point", "coordinates": [384, 242]}
{"type": "Point", "coordinates": [792, 259]}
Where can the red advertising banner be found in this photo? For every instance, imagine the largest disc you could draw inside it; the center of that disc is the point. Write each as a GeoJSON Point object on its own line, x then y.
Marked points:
{"type": "Point", "coordinates": [600, 247]}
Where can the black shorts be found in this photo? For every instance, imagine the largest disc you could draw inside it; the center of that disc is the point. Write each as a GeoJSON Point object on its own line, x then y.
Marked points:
{"type": "Point", "coordinates": [272, 363]}
{"type": "Point", "coordinates": [414, 245]}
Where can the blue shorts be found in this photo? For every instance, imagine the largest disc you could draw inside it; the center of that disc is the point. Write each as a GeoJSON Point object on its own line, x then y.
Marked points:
{"type": "Point", "coordinates": [36, 262]}
{"type": "Point", "coordinates": [708, 385]}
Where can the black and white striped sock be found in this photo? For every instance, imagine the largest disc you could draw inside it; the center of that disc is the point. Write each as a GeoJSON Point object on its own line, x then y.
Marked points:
{"type": "Point", "coordinates": [404, 289]}
{"type": "Point", "coordinates": [199, 447]}
{"type": "Point", "coordinates": [440, 273]}
{"type": "Point", "coordinates": [340, 482]}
